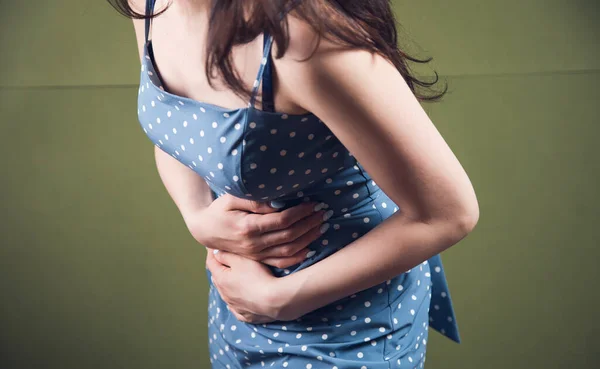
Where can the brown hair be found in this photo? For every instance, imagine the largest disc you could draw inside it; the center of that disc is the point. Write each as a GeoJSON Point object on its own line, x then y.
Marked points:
{"type": "Point", "coordinates": [368, 25]}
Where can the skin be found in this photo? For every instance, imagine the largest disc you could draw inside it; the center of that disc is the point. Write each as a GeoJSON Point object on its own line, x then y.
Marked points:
{"type": "Point", "coordinates": [367, 104]}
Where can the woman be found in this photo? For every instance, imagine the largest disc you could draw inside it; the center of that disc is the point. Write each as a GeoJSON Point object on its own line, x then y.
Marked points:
{"type": "Point", "coordinates": [335, 193]}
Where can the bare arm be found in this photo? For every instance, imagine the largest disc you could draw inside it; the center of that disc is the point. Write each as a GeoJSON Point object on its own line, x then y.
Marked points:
{"type": "Point", "coordinates": [367, 104]}
{"type": "Point", "coordinates": [189, 191]}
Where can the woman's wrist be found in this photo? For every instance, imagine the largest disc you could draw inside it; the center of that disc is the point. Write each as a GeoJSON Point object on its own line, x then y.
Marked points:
{"type": "Point", "coordinates": [285, 298]}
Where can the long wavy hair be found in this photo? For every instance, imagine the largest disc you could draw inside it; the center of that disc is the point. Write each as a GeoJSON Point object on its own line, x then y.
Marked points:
{"type": "Point", "coordinates": [369, 25]}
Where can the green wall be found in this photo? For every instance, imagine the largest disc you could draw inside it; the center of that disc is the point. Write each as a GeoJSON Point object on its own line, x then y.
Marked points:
{"type": "Point", "coordinates": [97, 269]}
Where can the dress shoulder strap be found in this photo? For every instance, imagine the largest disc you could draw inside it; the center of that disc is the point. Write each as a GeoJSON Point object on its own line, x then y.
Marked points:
{"type": "Point", "coordinates": [264, 77]}
{"type": "Point", "coordinates": [265, 72]}
{"type": "Point", "coordinates": [149, 11]}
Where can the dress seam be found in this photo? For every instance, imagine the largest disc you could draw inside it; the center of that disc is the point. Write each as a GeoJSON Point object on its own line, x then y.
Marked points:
{"type": "Point", "coordinates": [371, 194]}
{"type": "Point", "coordinates": [389, 307]}
{"type": "Point", "coordinates": [241, 161]}
{"type": "Point", "coordinates": [381, 219]}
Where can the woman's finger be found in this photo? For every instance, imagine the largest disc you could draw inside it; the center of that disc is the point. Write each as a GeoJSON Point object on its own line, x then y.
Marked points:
{"type": "Point", "coordinates": [226, 258]}
{"type": "Point", "coordinates": [250, 318]}
{"type": "Point", "coordinates": [286, 262]}
{"type": "Point", "coordinates": [237, 315]}
{"type": "Point", "coordinates": [212, 264]}
{"type": "Point", "coordinates": [293, 247]}
{"type": "Point", "coordinates": [251, 206]}
{"type": "Point", "coordinates": [295, 231]}
{"type": "Point", "coordinates": [263, 223]}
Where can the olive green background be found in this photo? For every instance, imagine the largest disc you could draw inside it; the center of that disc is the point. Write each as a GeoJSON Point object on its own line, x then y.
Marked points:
{"type": "Point", "coordinates": [97, 269]}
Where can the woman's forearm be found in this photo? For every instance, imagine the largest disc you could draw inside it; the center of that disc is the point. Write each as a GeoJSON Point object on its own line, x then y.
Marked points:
{"type": "Point", "coordinates": [393, 247]}
{"type": "Point", "coordinates": [188, 190]}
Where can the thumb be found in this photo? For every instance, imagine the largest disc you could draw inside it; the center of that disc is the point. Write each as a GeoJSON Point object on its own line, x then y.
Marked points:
{"type": "Point", "coordinates": [227, 258]}
{"type": "Point", "coordinates": [252, 206]}
{"type": "Point", "coordinates": [212, 264]}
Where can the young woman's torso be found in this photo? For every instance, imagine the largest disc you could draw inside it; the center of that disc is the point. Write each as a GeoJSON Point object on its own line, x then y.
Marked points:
{"type": "Point", "coordinates": [310, 162]}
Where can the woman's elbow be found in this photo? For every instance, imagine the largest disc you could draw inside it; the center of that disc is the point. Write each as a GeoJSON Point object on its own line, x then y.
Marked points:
{"type": "Point", "coordinates": [467, 220]}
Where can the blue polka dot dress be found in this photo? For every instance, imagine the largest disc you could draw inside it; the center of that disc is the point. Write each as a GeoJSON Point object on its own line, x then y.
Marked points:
{"type": "Point", "coordinates": [264, 155]}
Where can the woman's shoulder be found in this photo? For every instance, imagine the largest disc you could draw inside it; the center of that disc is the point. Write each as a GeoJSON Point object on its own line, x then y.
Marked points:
{"type": "Point", "coordinates": [304, 40]}
{"type": "Point", "coordinates": [311, 58]}
{"type": "Point", "coordinates": [137, 7]}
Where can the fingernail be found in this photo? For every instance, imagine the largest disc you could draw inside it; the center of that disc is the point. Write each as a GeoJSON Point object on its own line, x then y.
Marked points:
{"type": "Point", "coordinates": [328, 214]}
{"type": "Point", "coordinates": [318, 207]}
{"type": "Point", "coordinates": [324, 227]}
{"type": "Point", "coordinates": [277, 204]}
{"type": "Point", "coordinates": [215, 251]}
